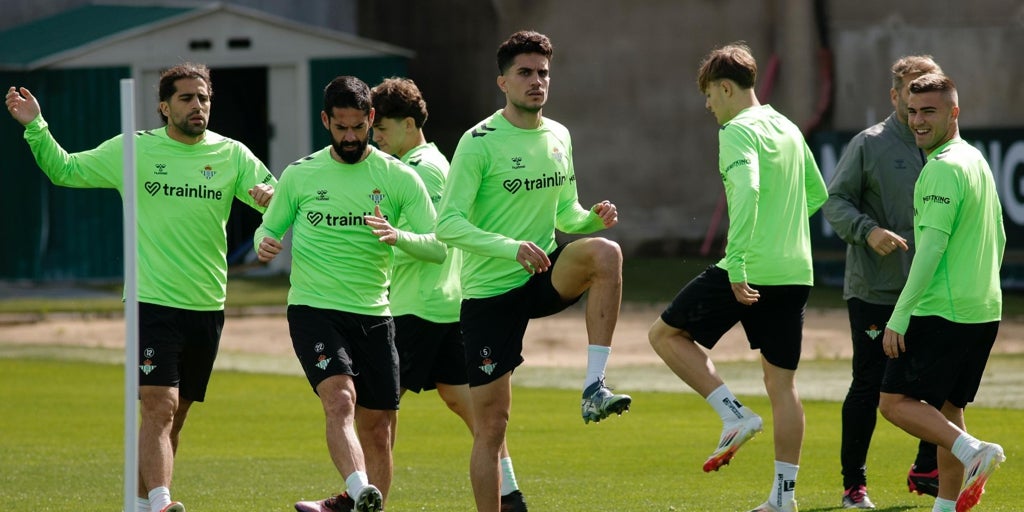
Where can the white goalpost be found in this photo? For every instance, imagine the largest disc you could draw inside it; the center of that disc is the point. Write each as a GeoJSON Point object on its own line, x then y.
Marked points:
{"type": "Point", "coordinates": [131, 297]}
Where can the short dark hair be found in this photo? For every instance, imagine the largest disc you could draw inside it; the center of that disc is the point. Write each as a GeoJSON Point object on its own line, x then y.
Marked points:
{"type": "Point", "coordinates": [524, 41]}
{"type": "Point", "coordinates": [347, 92]}
{"type": "Point", "coordinates": [733, 62]}
{"type": "Point", "coordinates": [168, 77]}
{"type": "Point", "coordinates": [399, 98]}
{"type": "Point", "coordinates": [912, 65]}
{"type": "Point", "coordinates": [935, 82]}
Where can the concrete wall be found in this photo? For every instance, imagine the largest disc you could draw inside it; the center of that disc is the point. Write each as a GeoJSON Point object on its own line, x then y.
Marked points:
{"type": "Point", "coordinates": [624, 70]}
{"type": "Point", "coordinates": [623, 81]}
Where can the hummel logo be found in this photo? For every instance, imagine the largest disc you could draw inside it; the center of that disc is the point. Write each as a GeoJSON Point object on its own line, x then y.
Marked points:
{"type": "Point", "coordinates": [160, 169]}
{"type": "Point", "coordinates": [321, 195]}
{"type": "Point", "coordinates": [482, 130]}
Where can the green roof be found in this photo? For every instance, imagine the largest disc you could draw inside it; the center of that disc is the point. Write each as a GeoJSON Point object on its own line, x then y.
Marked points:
{"type": "Point", "coordinates": [37, 40]}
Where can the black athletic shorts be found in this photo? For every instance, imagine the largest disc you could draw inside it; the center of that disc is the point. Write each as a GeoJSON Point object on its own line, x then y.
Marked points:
{"type": "Point", "coordinates": [430, 353]}
{"type": "Point", "coordinates": [707, 308]}
{"type": "Point", "coordinates": [943, 363]}
{"type": "Point", "coordinates": [329, 342]}
{"type": "Point", "coordinates": [493, 327]}
{"type": "Point", "coordinates": [177, 348]}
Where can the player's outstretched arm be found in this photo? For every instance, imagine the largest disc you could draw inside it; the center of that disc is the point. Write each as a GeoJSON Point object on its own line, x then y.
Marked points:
{"type": "Point", "coordinates": [22, 105]}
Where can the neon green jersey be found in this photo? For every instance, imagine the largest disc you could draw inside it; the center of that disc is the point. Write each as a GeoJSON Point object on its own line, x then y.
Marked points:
{"type": "Point", "coordinates": [184, 199]}
{"type": "Point", "coordinates": [508, 185]}
{"type": "Point", "coordinates": [772, 186]}
{"type": "Point", "coordinates": [337, 261]}
{"type": "Point", "coordinates": [421, 288]}
{"type": "Point", "coordinates": [958, 230]}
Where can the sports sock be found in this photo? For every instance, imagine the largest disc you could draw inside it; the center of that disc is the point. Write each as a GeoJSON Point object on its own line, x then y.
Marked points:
{"type": "Point", "coordinates": [785, 483]}
{"type": "Point", "coordinates": [508, 476]}
{"type": "Point", "coordinates": [942, 505]}
{"type": "Point", "coordinates": [355, 483]}
{"type": "Point", "coordinates": [726, 405]}
{"type": "Point", "coordinates": [965, 447]}
{"type": "Point", "coordinates": [597, 360]}
{"type": "Point", "coordinates": [159, 498]}
{"type": "Point", "coordinates": [142, 505]}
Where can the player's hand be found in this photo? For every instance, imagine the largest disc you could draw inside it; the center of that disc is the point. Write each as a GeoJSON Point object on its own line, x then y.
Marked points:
{"type": "Point", "coordinates": [893, 344]}
{"type": "Point", "coordinates": [262, 193]}
{"type": "Point", "coordinates": [533, 259]}
{"type": "Point", "coordinates": [884, 242]}
{"type": "Point", "coordinates": [608, 213]}
{"type": "Point", "coordinates": [382, 229]}
{"type": "Point", "coordinates": [744, 293]}
{"type": "Point", "coordinates": [268, 249]}
{"type": "Point", "coordinates": [23, 107]}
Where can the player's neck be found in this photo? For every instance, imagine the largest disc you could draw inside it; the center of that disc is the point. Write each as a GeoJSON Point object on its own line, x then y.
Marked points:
{"type": "Point", "coordinates": [520, 118]}
{"type": "Point", "coordinates": [175, 134]}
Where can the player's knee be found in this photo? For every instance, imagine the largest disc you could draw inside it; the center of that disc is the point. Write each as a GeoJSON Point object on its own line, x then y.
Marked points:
{"type": "Point", "coordinates": [606, 255]}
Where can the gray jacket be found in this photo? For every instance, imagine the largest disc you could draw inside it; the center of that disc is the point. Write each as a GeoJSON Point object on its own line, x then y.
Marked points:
{"type": "Point", "coordinates": [874, 187]}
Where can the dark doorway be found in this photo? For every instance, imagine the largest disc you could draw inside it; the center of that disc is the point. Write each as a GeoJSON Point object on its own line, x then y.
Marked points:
{"type": "Point", "coordinates": [240, 112]}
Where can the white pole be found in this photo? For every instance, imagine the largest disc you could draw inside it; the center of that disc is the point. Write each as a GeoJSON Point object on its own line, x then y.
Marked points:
{"type": "Point", "coordinates": [131, 298]}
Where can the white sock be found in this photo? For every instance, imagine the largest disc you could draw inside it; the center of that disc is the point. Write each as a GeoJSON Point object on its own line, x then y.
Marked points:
{"type": "Point", "coordinates": [508, 476]}
{"type": "Point", "coordinates": [159, 498]}
{"type": "Point", "coordinates": [942, 505]}
{"type": "Point", "coordinates": [142, 505]}
{"type": "Point", "coordinates": [726, 405]}
{"type": "Point", "coordinates": [597, 360]}
{"type": "Point", "coordinates": [355, 483]}
{"type": "Point", "coordinates": [784, 486]}
{"type": "Point", "coordinates": [965, 447]}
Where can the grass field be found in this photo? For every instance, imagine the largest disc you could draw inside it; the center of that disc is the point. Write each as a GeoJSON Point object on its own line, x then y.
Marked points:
{"type": "Point", "coordinates": [257, 444]}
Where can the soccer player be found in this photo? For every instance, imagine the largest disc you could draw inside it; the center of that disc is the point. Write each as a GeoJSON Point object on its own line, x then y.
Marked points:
{"type": "Point", "coordinates": [342, 203]}
{"type": "Point", "coordinates": [772, 186]}
{"type": "Point", "coordinates": [947, 316]}
{"type": "Point", "coordinates": [188, 176]}
{"type": "Point", "coordinates": [424, 296]}
{"type": "Point", "coordinates": [511, 185]}
{"type": "Point", "coordinates": [873, 183]}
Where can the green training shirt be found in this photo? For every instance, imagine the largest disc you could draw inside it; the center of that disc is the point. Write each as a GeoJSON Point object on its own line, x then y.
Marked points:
{"type": "Point", "coordinates": [772, 186]}
{"type": "Point", "coordinates": [958, 227]}
{"type": "Point", "coordinates": [337, 261]}
{"type": "Point", "coordinates": [421, 288]}
{"type": "Point", "coordinates": [508, 185]}
{"type": "Point", "coordinates": [184, 199]}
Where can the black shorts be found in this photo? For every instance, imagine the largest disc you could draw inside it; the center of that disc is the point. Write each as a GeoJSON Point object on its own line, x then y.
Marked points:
{"type": "Point", "coordinates": [330, 342]}
{"type": "Point", "coordinates": [493, 327]}
{"type": "Point", "coordinates": [177, 348]}
{"type": "Point", "coordinates": [707, 308]}
{"type": "Point", "coordinates": [430, 353]}
{"type": "Point", "coordinates": [943, 363]}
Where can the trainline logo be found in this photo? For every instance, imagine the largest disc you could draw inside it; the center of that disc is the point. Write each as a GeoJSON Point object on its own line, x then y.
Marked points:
{"type": "Point", "coordinates": [195, 192]}
{"type": "Point", "coordinates": [545, 181]}
{"type": "Point", "coordinates": [330, 220]}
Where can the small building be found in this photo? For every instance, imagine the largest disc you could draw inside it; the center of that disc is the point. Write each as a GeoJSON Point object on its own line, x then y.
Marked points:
{"type": "Point", "coordinates": [268, 75]}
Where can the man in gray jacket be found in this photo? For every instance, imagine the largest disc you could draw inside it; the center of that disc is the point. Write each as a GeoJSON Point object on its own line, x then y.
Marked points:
{"type": "Point", "coordinates": [870, 206]}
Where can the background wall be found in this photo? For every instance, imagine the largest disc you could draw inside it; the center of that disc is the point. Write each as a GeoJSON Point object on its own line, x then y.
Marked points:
{"type": "Point", "coordinates": [623, 80]}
